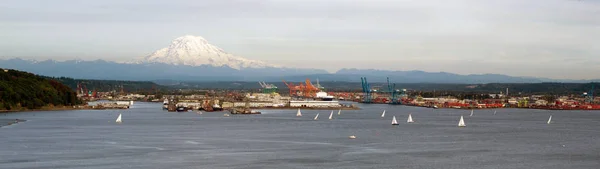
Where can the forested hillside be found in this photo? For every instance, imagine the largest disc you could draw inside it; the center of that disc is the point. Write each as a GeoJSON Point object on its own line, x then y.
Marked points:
{"type": "Point", "coordinates": [19, 90]}
{"type": "Point", "coordinates": [111, 85]}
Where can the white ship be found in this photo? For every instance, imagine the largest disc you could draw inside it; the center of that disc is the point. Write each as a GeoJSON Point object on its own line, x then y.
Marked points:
{"type": "Point", "coordinates": [166, 104]}
{"type": "Point", "coordinates": [323, 96]}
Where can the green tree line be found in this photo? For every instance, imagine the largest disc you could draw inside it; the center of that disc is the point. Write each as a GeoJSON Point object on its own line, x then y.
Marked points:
{"type": "Point", "coordinates": [26, 90]}
{"type": "Point", "coordinates": [111, 85]}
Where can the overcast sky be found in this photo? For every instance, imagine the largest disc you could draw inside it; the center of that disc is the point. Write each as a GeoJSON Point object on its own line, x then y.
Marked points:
{"type": "Point", "coordinates": [542, 38]}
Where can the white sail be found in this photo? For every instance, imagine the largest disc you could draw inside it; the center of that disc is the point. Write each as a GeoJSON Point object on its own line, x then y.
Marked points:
{"type": "Point", "coordinates": [383, 114]}
{"type": "Point", "coordinates": [331, 115]}
{"type": "Point", "coordinates": [410, 120]}
{"type": "Point", "coordinates": [317, 116]}
{"type": "Point", "coordinates": [471, 112]}
{"type": "Point", "coordinates": [339, 111]}
{"type": "Point", "coordinates": [461, 123]}
{"type": "Point", "coordinates": [118, 119]}
{"type": "Point", "coordinates": [394, 122]}
{"type": "Point", "coordinates": [550, 119]}
{"type": "Point", "coordinates": [299, 114]}
{"type": "Point", "coordinates": [494, 112]}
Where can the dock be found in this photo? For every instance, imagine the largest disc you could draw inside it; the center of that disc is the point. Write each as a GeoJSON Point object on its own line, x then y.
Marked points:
{"type": "Point", "coordinates": [110, 104]}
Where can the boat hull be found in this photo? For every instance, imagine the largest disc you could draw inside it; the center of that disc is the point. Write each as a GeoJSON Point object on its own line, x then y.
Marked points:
{"type": "Point", "coordinates": [182, 109]}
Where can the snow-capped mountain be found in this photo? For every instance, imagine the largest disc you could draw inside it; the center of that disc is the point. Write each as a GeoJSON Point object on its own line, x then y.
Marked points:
{"type": "Point", "coordinates": [195, 51]}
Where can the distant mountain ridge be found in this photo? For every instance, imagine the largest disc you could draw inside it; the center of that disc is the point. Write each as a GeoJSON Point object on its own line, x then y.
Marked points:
{"type": "Point", "coordinates": [192, 58]}
{"type": "Point", "coordinates": [441, 77]}
{"type": "Point", "coordinates": [107, 70]}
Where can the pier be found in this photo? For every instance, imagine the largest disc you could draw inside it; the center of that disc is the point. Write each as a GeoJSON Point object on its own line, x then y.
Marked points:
{"type": "Point", "coordinates": [110, 104]}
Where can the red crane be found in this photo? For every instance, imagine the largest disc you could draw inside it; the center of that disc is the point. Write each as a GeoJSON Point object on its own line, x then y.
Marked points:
{"type": "Point", "coordinates": [95, 94]}
{"type": "Point", "coordinates": [310, 90]}
{"type": "Point", "coordinates": [294, 89]}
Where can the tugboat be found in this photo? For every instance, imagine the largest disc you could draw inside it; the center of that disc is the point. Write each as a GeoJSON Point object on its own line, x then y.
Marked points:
{"type": "Point", "coordinates": [182, 109]}
{"type": "Point", "coordinates": [216, 107]}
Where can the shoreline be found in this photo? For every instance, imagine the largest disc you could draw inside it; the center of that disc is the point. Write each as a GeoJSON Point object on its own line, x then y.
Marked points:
{"type": "Point", "coordinates": [306, 108]}
{"type": "Point", "coordinates": [62, 108]}
{"type": "Point", "coordinates": [491, 108]}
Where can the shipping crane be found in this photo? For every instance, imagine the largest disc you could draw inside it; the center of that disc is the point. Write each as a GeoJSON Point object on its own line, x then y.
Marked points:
{"type": "Point", "coordinates": [294, 89]}
{"type": "Point", "coordinates": [321, 88]}
{"type": "Point", "coordinates": [310, 90]}
{"type": "Point", "coordinates": [589, 96]}
{"type": "Point", "coordinates": [268, 88]}
{"type": "Point", "coordinates": [122, 90]}
{"type": "Point", "coordinates": [393, 92]}
{"type": "Point", "coordinates": [366, 88]}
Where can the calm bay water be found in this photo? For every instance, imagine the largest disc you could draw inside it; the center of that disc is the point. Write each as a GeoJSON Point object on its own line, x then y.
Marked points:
{"type": "Point", "coordinates": [150, 138]}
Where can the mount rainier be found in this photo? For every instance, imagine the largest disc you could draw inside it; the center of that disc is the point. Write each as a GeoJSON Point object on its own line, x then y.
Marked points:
{"type": "Point", "coordinates": [196, 51]}
{"type": "Point", "coordinates": [188, 57]}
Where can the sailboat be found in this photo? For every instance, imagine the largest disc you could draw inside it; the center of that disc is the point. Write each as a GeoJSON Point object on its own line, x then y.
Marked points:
{"type": "Point", "coordinates": [550, 119]}
{"type": "Point", "coordinates": [339, 111]}
{"type": "Point", "coordinates": [494, 112]}
{"type": "Point", "coordinates": [331, 115]}
{"type": "Point", "coordinates": [394, 122]}
{"type": "Point", "coordinates": [410, 120]}
{"type": "Point", "coordinates": [119, 119]}
{"type": "Point", "coordinates": [299, 114]}
{"type": "Point", "coordinates": [317, 116]}
{"type": "Point", "coordinates": [461, 123]}
{"type": "Point", "coordinates": [471, 112]}
{"type": "Point", "coordinates": [383, 114]}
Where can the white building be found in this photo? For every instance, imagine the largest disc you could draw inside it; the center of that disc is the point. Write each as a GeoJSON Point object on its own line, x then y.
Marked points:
{"type": "Point", "coordinates": [253, 104]}
{"type": "Point", "coordinates": [541, 102]}
{"type": "Point", "coordinates": [226, 105]}
{"type": "Point", "coordinates": [126, 103]}
{"type": "Point", "coordinates": [512, 101]}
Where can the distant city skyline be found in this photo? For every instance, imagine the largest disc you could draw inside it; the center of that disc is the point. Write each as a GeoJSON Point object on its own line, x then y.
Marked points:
{"type": "Point", "coordinates": [535, 38]}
